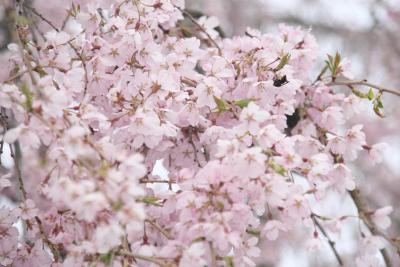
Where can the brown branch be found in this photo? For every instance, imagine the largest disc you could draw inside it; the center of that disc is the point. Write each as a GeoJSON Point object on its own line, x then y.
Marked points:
{"type": "Point", "coordinates": [78, 54]}
{"type": "Point", "coordinates": [192, 19]}
{"type": "Point", "coordinates": [330, 242]}
{"type": "Point", "coordinates": [365, 216]}
{"type": "Point", "coordinates": [18, 172]}
{"type": "Point", "coordinates": [156, 260]}
{"type": "Point", "coordinates": [365, 83]}
{"type": "Point", "coordinates": [213, 255]}
{"type": "Point", "coordinates": [159, 228]}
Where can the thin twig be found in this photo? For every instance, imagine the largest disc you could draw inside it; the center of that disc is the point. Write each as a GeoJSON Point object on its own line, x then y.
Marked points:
{"type": "Point", "coordinates": [190, 17]}
{"type": "Point", "coordinates": [366, 218]}
{"type": "Point", "coordinates": [196, 158]}
{"type": "Point", "coordinates": [155, 260]}
{"type": "Point", "coordinates": [159, 228]}
{"type": "Point", "coordinates": [330, 242]}
{"type": "Point", "coordinates": [365, 83]}
{"type": "Point", "coordinates": [213, 255]}
{"type": "Point", "coordinates": [78, 54]}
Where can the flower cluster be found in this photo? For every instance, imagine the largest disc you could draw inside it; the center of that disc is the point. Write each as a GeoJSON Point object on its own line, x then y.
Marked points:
{"type": "Point", "coordinates": [123, 85]}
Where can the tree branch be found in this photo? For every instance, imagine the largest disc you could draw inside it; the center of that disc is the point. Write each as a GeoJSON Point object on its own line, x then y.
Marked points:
{"type": "Point", "coordinates": [330, 242]}
{"type": "Point", "coordinates": [366, 218]}
{"type": "Point", "coordinates": [192, 19]}
{"type": "Point", "coordinates": [365, 83]}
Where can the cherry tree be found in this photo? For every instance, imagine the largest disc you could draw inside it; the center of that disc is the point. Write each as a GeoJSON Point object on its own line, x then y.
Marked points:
{"type": "Point", "coordinates": [250, 135]}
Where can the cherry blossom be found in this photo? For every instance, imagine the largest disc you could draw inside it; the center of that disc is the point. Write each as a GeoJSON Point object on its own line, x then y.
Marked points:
{"type": "Point", "coordinates": [248, 140]}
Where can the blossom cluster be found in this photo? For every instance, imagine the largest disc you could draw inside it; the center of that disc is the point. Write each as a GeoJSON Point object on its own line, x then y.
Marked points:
{"type": "Point", "coordinates": [236, 122]}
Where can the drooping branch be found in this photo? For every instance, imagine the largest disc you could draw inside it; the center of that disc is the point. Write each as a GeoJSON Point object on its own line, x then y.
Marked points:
{"type": "Point", "coordinates": [331, 243]}
{"type": "Point", "coordinates": [192, 19]}
{"type": "Point", "coordinates": [365, 216]}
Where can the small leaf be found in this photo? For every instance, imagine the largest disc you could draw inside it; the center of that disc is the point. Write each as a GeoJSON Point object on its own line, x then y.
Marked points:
{"type": "Point", "coordinates": [253, 231]}
{"type": "Point", "coordinates": [220, 205]}
{"type": "Point", "coordinates": [242, 103]}
{"type": "Point", "coordinates": [359, 93]}
{"type": "Point", "coordinates": [229, 261]}
{"type": "Point", "coordinates": [337, 60]}
{"type": "Point", "coordinates": [285, 59]}
{"type": "Point", "coordinates": [276, 167]}
{"type": "Point", "coordinates": [324, 69]}
{"type": "Point", "coordinates": [118, 205]}
{"type": "Point", "coordinates": [378, 105]}
{"type": "Point", "coordinates": [152, 200]}
{"type": "Point", "coordinates": [330, 59]}
{"type": "Point", "coordinates": [378, 111]}
{"type": "Point", "coordinates": [221, 105]}
{"type": "Point", "coordinates": [370, 94]}
{"type": "Point", "coordinates": [28, 97]}
{"type": "Point", "coordinates": [106, 258]}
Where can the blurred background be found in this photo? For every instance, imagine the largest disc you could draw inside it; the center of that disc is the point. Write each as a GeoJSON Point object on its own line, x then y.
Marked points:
{"type": "Point", "coordinates": [365, 31]}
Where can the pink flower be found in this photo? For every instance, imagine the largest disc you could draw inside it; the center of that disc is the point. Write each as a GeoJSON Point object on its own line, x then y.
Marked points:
{"type": "Point", "coordinates": [272, 228]}
{"type": "Point", "coordinates": [219, 68]}
{"type": "Point", "coordinates": [377, 151]}
{"type": "Point", "coordinates": [342, 178]}
{"type": "Point", "coordinates": [250, 163]}
{"type": "Point", "coordinates": [252, 116]}
{"type": "Point", "coordinates": [4, 182]}
{"type": "Point", "coordinates": [206, 91]}
{"type": "Point", "coordinates": [28, 210]}
{"type": "Point", "coordinates": [193, 256]}
{"type": "Point", "coordinates": [269, 135]}
{"type": "Point", "coordinates": [209, 24]}
{"type": "Point", "coordinates": [381, 217]}
{"type": "Point", "coordinates": [345, 69]}
{"type": "Point", "coordinates": [107, 237]}
{"type": "Point", "coordinates": [331, 117]}
{"type": "Point", "coordinates": [372, 244]}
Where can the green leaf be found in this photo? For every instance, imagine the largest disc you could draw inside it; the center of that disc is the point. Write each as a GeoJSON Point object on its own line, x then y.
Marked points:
{"type": "Point", "coordinates": [22, 20]}
{"type": "Point", "coordinates": [370, 94]}
{"type": "Point", "coordinates": [330, 59]}
{"type": "Point", "coordinates": [28, 97]}
{"type": "Point", "coordinates": [324, 69]}
{"type": "Point", "coordinates": [337, 60]}
{"type": "Point", "coordinates": [378, 111]}
{"type": "Point", "coordinates": [229, 261]}
{"type": "Point", "coordinates": [118, 205]}
{"type": "Point", "coordinates": [221, 105]}
{"type": "Point", "coordinates": [152, 200]}
{"type": "Point", "coordinates": [242, 103]}
{"type": "Point", "coordinates": [284, 60]}
{"type": "Point", "coordinates": [220, 205]}
{"type": "Point", "coordinates": [378, 105]}
{"type": "Point", "coordinates": [359, 93]}
{"type": "Point", "coordinates": [334, 63]}
{"type": "Point", "coordinates": [106, 258]}
{"type": "Point", "coordinates": [276, 167]}
{"type": "Point", "coordinates": [253, 231]}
